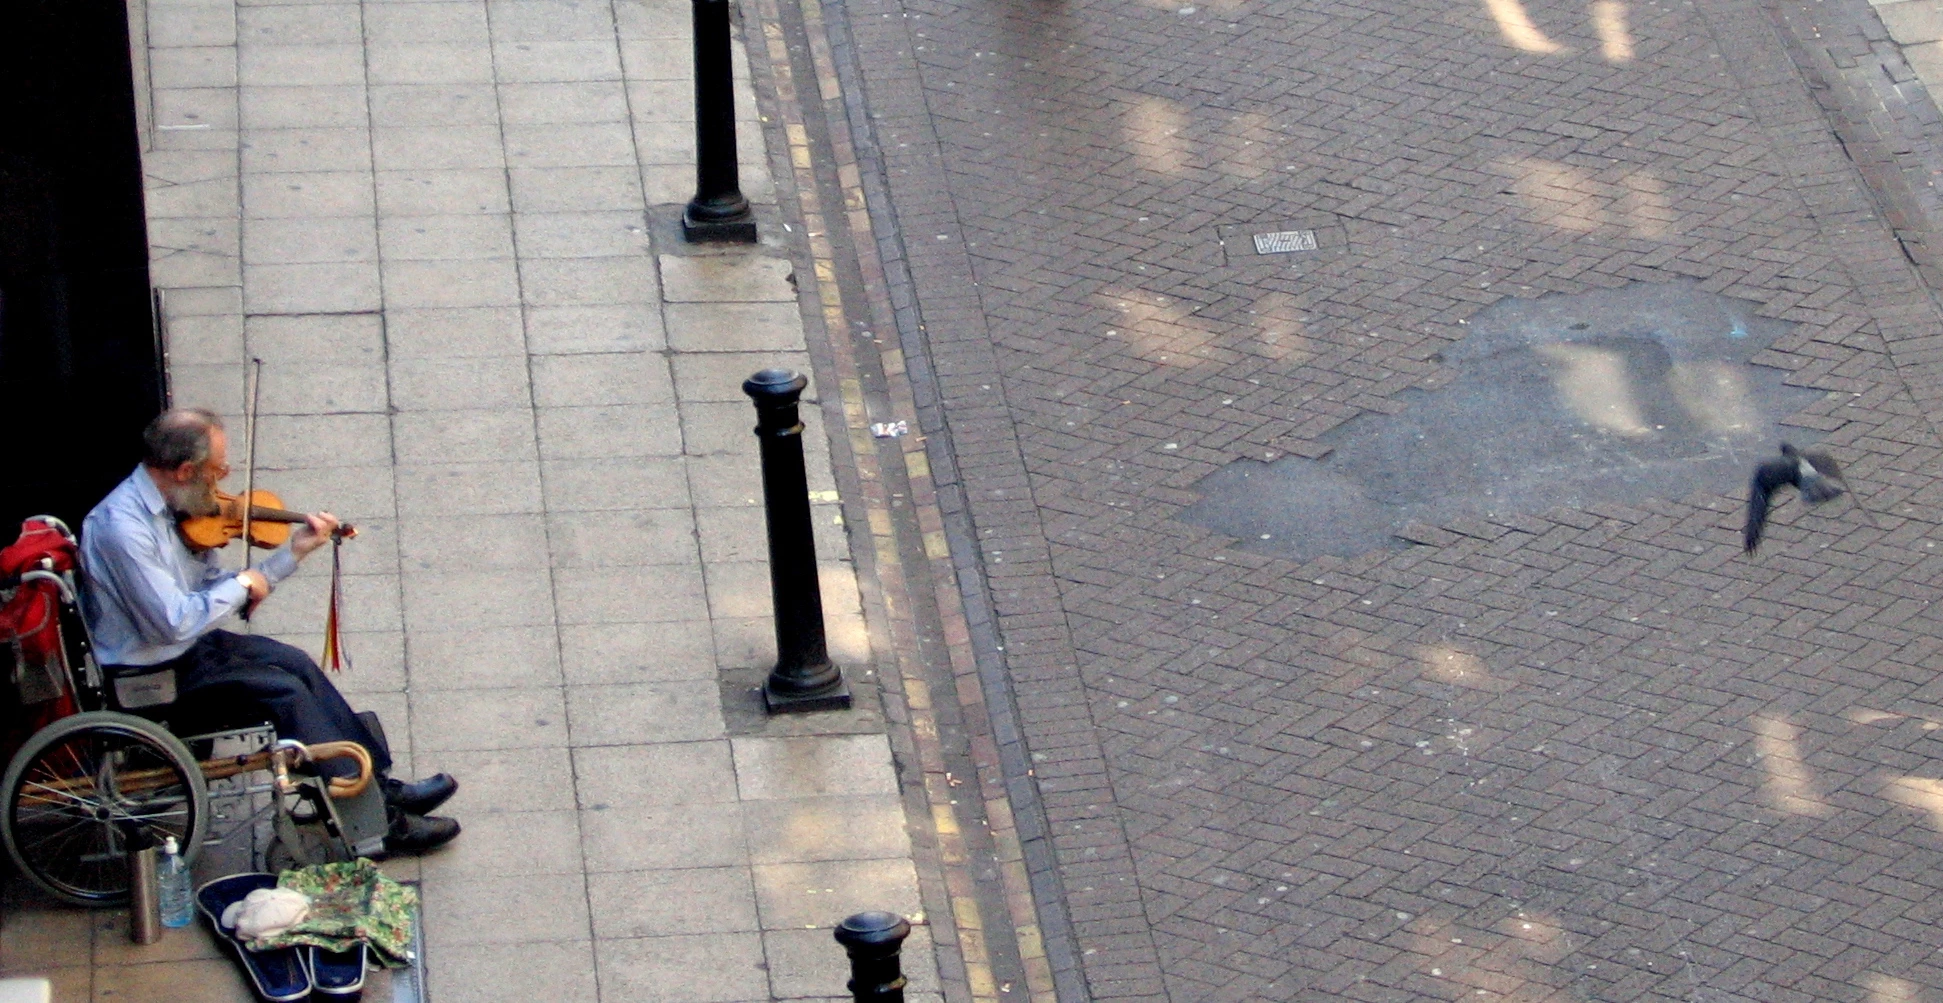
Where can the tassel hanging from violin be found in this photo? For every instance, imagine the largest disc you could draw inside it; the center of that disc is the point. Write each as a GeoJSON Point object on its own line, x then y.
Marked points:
{"type": "Point", "coordinates": [335, 659]}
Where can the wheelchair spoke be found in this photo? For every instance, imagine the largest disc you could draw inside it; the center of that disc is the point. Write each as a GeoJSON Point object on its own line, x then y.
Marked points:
{"type": "Point", "coordinates": [60, 833]}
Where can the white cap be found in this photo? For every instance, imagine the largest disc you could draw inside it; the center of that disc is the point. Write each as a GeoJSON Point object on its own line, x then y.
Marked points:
{"type": "Point", "coordinates": [169, 846]}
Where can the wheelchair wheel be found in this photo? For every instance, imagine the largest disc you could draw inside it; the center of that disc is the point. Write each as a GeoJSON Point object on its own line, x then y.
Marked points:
{"type": "Point", "coordinates": [79, 785]}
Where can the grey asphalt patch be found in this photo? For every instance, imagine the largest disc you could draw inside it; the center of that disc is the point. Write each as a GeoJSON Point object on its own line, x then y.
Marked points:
{"type": "Point", "coordinates": [1615, 395]}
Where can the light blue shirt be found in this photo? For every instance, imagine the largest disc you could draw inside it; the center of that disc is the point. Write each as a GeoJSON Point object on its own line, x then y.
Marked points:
{"type": "Point", "coordinates": [148, 597]}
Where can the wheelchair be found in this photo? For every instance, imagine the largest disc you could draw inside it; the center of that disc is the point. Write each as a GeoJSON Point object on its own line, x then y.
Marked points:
{"type": "Point", "coordinates": [94, 768]}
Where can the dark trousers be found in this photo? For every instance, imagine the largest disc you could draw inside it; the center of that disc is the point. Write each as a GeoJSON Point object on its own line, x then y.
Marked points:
{"type": "Point", "coordinates": [226, 677]}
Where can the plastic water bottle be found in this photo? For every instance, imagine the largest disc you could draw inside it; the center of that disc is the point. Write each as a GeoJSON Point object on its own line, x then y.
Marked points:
{"type": "Point", "coordinates": [172, 874]}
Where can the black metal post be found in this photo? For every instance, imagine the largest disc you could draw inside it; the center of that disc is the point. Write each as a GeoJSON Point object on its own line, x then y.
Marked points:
{"type": "Point", "coordinates": [804, 678]}
{"type": "Point", "coordinates": [873, 940]}
{"type": "Point", "coordinates": [718, 212]}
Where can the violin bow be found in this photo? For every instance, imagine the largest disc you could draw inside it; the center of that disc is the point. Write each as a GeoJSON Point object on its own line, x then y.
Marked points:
{"type": "Point", "coordinates": [255, 379]}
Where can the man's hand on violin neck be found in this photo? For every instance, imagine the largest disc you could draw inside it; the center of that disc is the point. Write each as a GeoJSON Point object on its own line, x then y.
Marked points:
{"type": "Point", "coordinates": [315, 532]}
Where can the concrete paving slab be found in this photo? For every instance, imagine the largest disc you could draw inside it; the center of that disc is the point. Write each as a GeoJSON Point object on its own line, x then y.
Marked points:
{"type": "Point", "coordinates": [436, 105]}
{"type": "Point", "coordinates": [213, 980]}
{"type": "Point", "coordinates": [657, 594]}
{"type": "Point", "coordinates": [300, 65]}
{"type": "Point", "coordinates": [322, 388]}
{"type": "Point", "coordinates": [485, 658]}
{"type": "Point", "coordinates": [292, 441]}
{"type": "Point", "coordinates": [449, 384]}
{"type": "Point", "coordinates": [646, 776]}
{"type": "Point", "coordinates": [207, 199]}
{"type": "Point", "coordinates": [473, 435]}
{"type": "Point", "coordinates": [431, 238]}
{"type": "Point", "coordinates": [575, 189]}
{"type": "Point", "coordinates": [327, 287]}
{"type": "Point", "coordinates": [609, 379]}
{"type": "Point", "coordinates": [605, 485]}
{"type": "Point", "coordinates": [455, 333]}
{"type": "Point", "coordinates": [636, 652]}
{"type": "Point", "coordinates": [595, 144]}
{"type": "Point", "coordinates": [453, 490]}
{"type": "Point", "coordinates": [503, 718]}
{"type": "Point", "coordinates": [526, 909]}
{"type": "Point", "coordinates": [324, 106]}
{"type": "Point", "coordinates": [510, 844]}
{"type": "Point", "coordinates": [433, 193]}
{"type": "Point", "coordinates": [454, 283]}
{"type": "Point", "coordinates": [307, 241]}
{"type": "Point", "coordinates": [581, 235]}
{"type": "Point", "coordinates": [448, 23]}
{"type": "Point", "coordinates": [809, 829]}
{"type": "Point", "coordinates": [304, 24]}
{"type": "Point", "coordinates": [590, 281]}
{"type": "Point", "coordinates": [172, 25]}
{"type": "Point", "coordinates": [303, 151]}
{"type": "Point", "coordinates": [427, 63]}
{"type": "Point", "coordinates": [577, 433]}
{"type": "Point", "coordinates": [479, 542]}
{"type": "Point", "coordinates": [515, 780]}
{"type": "Point", "coordinates": [312, 195]}
{"type": "Point", "coordinates": [661, 903]}
{"type": "Point", "coordinates": [633, 713]}
{"type": "Point", "coordinates": [694, 835]}
{"type": "Point", "coordinates": [733, 534]}
{"type": "Point", "coordinates": [622, 538]}
{"type": "Point", "coordinates": [207, 66]}
{"type": "Point", "coordinates": [436, 600]}
{"type": "Point", "coordinates": [728, 279]}
{"type": "Point", "coordinates": [432, 148]}
{"type": "Point", "coordinates": [1912, 22]}
{"type": "Point", "coordinates": [573, 330]}
{"type": "Point", "coordinates": [558, 971]}
{"type": "Point", "coordinates": [733, 327]}
{"type": "Point", "coordinates": [834, 765]}
{"type": "Point", "coordinates": [556, 61]}
{"type": "Point", "coordinates": [706, 968]}
{"type": "Point", "coordinates": [820, 895]}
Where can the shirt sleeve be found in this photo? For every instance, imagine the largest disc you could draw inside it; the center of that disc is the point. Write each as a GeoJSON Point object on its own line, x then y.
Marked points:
{"type": "Point", "coordinates": [279, 565]}
{"type": "Point", "coordinates": [160, 610]}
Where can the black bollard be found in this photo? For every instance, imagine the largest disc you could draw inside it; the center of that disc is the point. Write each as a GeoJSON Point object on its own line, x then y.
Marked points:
{"type": "Point", "coordinates": [718, 212]}
{"type": "Point", "coordinates": [804, 678]}
{"type": "Point", "coordinates": [873, 940]}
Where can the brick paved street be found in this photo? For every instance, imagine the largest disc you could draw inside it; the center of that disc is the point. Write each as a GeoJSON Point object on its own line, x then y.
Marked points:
{"type": "Point", "coordinates": [1587, 752]}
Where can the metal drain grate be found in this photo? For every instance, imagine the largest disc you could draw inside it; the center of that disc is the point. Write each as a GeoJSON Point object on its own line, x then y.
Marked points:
{"type": "Point", "coordinates": [1285, 241]}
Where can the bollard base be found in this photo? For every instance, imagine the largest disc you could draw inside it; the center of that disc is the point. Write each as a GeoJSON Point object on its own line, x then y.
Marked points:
{"type": "Point", "coordinates": [777, 701]}
{"type": "Point", "coordinates": [733, 230]}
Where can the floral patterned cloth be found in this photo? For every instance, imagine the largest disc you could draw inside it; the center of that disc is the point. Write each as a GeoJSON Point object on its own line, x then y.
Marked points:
{"type": "Point", "coordinates": [350, 903]}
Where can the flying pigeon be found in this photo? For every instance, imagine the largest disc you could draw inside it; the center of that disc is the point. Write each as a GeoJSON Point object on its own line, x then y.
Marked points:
{"type": "Point", "coordinates": [1813, 472]}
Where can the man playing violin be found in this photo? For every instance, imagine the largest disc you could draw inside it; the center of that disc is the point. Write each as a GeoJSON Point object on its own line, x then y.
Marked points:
{"type": "Point", "coordinates": [153, 605]}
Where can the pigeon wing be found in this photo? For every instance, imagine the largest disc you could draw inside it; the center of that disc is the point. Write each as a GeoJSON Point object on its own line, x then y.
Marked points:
{"type": "Point", "coordinates": [1767, 477]}
{"type": "Point", "coordinates": [1823, 461]}
{"type": "Point", "coordinates": [1829, 485]}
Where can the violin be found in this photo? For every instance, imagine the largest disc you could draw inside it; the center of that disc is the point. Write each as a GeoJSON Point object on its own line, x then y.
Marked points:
{"type": "Point", "coordinates": [268, 521]}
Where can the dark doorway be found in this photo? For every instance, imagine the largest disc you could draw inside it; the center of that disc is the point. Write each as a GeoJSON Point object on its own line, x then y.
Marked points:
{"type": "Point", "coordinates": [79, 369]}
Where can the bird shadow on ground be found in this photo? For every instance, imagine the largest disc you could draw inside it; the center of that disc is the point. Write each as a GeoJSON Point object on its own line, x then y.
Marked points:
{"type": "Point", "coordinates": [1615, 395]}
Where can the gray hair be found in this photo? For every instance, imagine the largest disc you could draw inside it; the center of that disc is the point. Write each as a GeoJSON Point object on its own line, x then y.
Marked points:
{"type": "Point", "coordinates": [177, 436]}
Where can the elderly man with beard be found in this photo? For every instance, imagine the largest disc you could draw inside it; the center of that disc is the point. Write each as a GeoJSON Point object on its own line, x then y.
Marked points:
{"type": "Point", "coordinates": [153, 605]}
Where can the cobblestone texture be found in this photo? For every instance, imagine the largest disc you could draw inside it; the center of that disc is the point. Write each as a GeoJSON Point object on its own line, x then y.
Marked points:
{"type": "Point", "coordinates": [1593, 754]}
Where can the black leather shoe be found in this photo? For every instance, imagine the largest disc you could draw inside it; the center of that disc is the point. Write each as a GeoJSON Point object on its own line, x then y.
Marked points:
{"type": "Point", "coordinates": [418, 833]}
{"type": "Point", "coordinates": [420, 796]}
